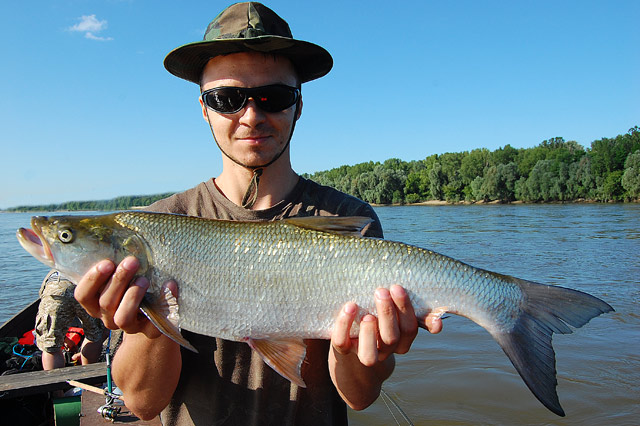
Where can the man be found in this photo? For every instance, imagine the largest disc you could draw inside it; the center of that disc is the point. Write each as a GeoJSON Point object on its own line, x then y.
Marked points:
{"type": "Point", "coordinates": [56, 312]}
{"type": "Point", "coordinates": [250, 70]}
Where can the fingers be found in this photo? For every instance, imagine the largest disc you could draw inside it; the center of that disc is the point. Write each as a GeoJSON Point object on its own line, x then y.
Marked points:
{"type": "Point", "coordinates": [340, 338]}
{"type": "Point", "coordinates": [365, 346]}
{"type": "Point", "coordinates": [397, 322]}
{"type": "Point", "coordinates": [115, 288]}
{"type": "Point", "coordinates": [130, 318]}
{"type": "Point", "coordinates": [407, 321]}
{"type": "Point", "coordinates": [104, 287]}
{"type": "Point", "coordinates": [433, 322]}
{"type": "Point", "coordinates": [387, 320]}
{"type": "Point", "coordinates": [393, 331]}
{"type": "Point", "coordinates": [114, 294]}
{"type": "Point", "coordinates": [368, 341]}
{"type": "Point", "coordinates": [88, 289]}
{"type": "Point", "coordinates": [127, 316]}
{"type": "Point", "coordinates": [173, 287]}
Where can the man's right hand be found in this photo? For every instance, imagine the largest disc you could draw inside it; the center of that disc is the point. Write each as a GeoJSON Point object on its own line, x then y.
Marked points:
{"type": "Point", "coordinates": [112, 294]}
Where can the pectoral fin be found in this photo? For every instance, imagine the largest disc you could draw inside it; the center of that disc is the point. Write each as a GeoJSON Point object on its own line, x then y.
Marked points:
{"type": "Point", "coordinates": [285, 356]}
{"type": "Point", "coordinates": [163, 313]}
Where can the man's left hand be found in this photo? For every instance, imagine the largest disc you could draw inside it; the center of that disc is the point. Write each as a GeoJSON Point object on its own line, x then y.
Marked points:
{"type": "Point", "coordinates": [365, 361]}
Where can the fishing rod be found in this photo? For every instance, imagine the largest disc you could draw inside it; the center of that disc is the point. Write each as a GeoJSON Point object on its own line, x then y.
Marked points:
{"type": "Point", "coordinates": [111, 408]}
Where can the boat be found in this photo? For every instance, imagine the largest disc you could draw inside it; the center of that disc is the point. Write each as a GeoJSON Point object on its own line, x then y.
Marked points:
{"type": "Point", "coordinates": [28, 398]}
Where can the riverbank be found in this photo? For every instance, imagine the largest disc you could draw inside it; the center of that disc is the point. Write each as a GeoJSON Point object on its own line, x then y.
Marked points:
{"type": "Point", "coordinates": [494, 202]}
{"type": "Point", "coordinates": [421, 203]}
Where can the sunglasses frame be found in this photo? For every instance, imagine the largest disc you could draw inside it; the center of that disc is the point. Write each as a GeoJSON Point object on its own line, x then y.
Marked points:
{"type": "Point", "coordinates": [250, 92]}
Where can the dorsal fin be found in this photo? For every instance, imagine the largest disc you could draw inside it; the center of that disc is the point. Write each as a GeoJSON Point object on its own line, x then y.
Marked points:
{"type": "Point", "coordinates": [347, 225]}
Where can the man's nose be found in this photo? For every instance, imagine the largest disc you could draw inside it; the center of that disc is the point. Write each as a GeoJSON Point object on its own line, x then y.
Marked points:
{"type": "Point", "coordinates": [252, 112]}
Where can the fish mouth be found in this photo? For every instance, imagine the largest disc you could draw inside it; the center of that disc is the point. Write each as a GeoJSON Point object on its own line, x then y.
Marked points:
{"type": "Point", "coordinates": [34, 242]}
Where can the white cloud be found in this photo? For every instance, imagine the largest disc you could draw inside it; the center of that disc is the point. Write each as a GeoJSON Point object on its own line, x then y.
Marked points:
{"type": "Point", "coordinates": [92, 36]}
{"type": "Point", "coordinates": [89, 25]}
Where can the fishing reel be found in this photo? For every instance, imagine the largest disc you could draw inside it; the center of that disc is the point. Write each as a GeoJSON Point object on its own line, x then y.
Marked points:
{"type": "Point", "coordinates": [109, 412]}
{"type": "Point", "coordinates": [112, 407]}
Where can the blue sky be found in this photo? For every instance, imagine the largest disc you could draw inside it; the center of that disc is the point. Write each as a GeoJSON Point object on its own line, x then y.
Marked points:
{"type": "Point", "coordinates": [89, 112]}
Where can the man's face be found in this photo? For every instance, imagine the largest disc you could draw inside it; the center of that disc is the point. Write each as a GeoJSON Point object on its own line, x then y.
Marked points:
{"type": "Point", "coordinates": [250, 136]}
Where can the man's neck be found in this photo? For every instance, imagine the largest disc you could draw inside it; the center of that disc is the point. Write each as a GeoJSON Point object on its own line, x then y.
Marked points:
{"type": "Point", "coordinates": [276, 183]}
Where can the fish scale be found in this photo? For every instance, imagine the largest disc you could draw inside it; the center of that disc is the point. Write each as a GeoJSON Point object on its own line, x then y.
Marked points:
{"type": "Point", "coordinates": [278, 277]}
{"type": "Point", "coordinates": [273, 284]}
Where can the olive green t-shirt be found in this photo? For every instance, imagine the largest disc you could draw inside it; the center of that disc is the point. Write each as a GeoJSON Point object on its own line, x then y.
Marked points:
{"type": "Point", "coordinates": [226, 383]}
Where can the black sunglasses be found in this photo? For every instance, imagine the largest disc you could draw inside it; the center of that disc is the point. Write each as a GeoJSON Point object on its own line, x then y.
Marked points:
{"type": "Point", "coordinates": [229, 100]}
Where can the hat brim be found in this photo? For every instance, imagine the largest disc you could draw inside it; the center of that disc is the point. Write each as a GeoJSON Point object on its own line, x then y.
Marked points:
{"type": "Point", "coordinates": [310, 60]}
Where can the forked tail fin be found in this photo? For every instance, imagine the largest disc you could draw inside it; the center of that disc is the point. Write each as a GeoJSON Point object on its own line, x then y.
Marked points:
{"type": "Point", "coordinates": [546, 309]}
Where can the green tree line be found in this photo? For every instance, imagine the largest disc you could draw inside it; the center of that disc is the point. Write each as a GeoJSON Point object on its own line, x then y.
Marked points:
{"type": "Point", "coordinates": [118, 203]}
{"type": "Point", "coordinates": [555, 170]}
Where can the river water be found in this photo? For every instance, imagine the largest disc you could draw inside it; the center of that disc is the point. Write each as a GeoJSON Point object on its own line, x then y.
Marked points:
{"type": "Point", "coordinates": [461, 376]}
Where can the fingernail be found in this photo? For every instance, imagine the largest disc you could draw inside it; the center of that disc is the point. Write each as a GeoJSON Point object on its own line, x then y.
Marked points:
{"type": "Point", "coordinates": [350, 308]}
{"type": "Point", "coordinates": [105, 267]}
{"type": "Point", "coordinates": [142, 282]}
{"type": "Point", "coordinates": [130, 263]}
{"type": "Point", "coordinates": [382, 294]}
{"type": "Point", "coordinates": [398, 291]}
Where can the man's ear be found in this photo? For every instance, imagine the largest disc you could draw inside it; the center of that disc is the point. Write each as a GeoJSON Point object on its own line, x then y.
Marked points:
{"type": "Point", "coordinates": [298, 110]}
{"type": "Point", "coordinates": [204, 110]}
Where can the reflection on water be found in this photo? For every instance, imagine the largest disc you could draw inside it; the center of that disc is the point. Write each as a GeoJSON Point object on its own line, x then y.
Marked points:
{"type": "Point", "coordinates": [461, 376]}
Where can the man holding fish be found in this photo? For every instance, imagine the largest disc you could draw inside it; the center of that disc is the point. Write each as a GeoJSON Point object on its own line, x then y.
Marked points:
{"type": "Point", "coordinates": [250, 70]}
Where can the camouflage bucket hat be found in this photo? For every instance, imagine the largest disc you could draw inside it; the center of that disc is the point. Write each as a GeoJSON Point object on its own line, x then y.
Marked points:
{"type": "Point", "coordinates": [248, 27]}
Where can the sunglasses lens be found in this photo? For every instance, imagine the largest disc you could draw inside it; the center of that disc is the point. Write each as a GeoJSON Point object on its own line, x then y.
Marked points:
{"type": "Point", "coordinates": [275, 98]}
{"type": "Point", "coordinates": [225, 99]}
{"type": "Point", "coordinates": [229, 100]}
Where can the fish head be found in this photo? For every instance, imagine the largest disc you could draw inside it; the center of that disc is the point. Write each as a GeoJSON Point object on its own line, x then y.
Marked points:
{"type": "Point", "coordinates": [73, 244]}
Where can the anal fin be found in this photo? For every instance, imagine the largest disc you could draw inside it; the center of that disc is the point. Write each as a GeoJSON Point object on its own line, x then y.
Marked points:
{"type": "Point", "coordinates": [284, 355]}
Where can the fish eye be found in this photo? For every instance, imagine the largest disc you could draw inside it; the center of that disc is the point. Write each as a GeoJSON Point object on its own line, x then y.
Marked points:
{"type": "Point", "coordinates": [65, 235]}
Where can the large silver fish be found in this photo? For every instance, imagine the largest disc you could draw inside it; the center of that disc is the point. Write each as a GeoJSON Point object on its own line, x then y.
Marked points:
{"type": "Point", "coordinates": [272, 284]}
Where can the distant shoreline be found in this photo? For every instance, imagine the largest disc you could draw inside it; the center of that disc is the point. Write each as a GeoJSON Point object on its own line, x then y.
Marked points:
{"type": "Point", "coordinates": [421, 203]}
{"type": "Point", "coordinates": [73, 211]}
{"type": "Point", "coordinates": [498, 202]}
